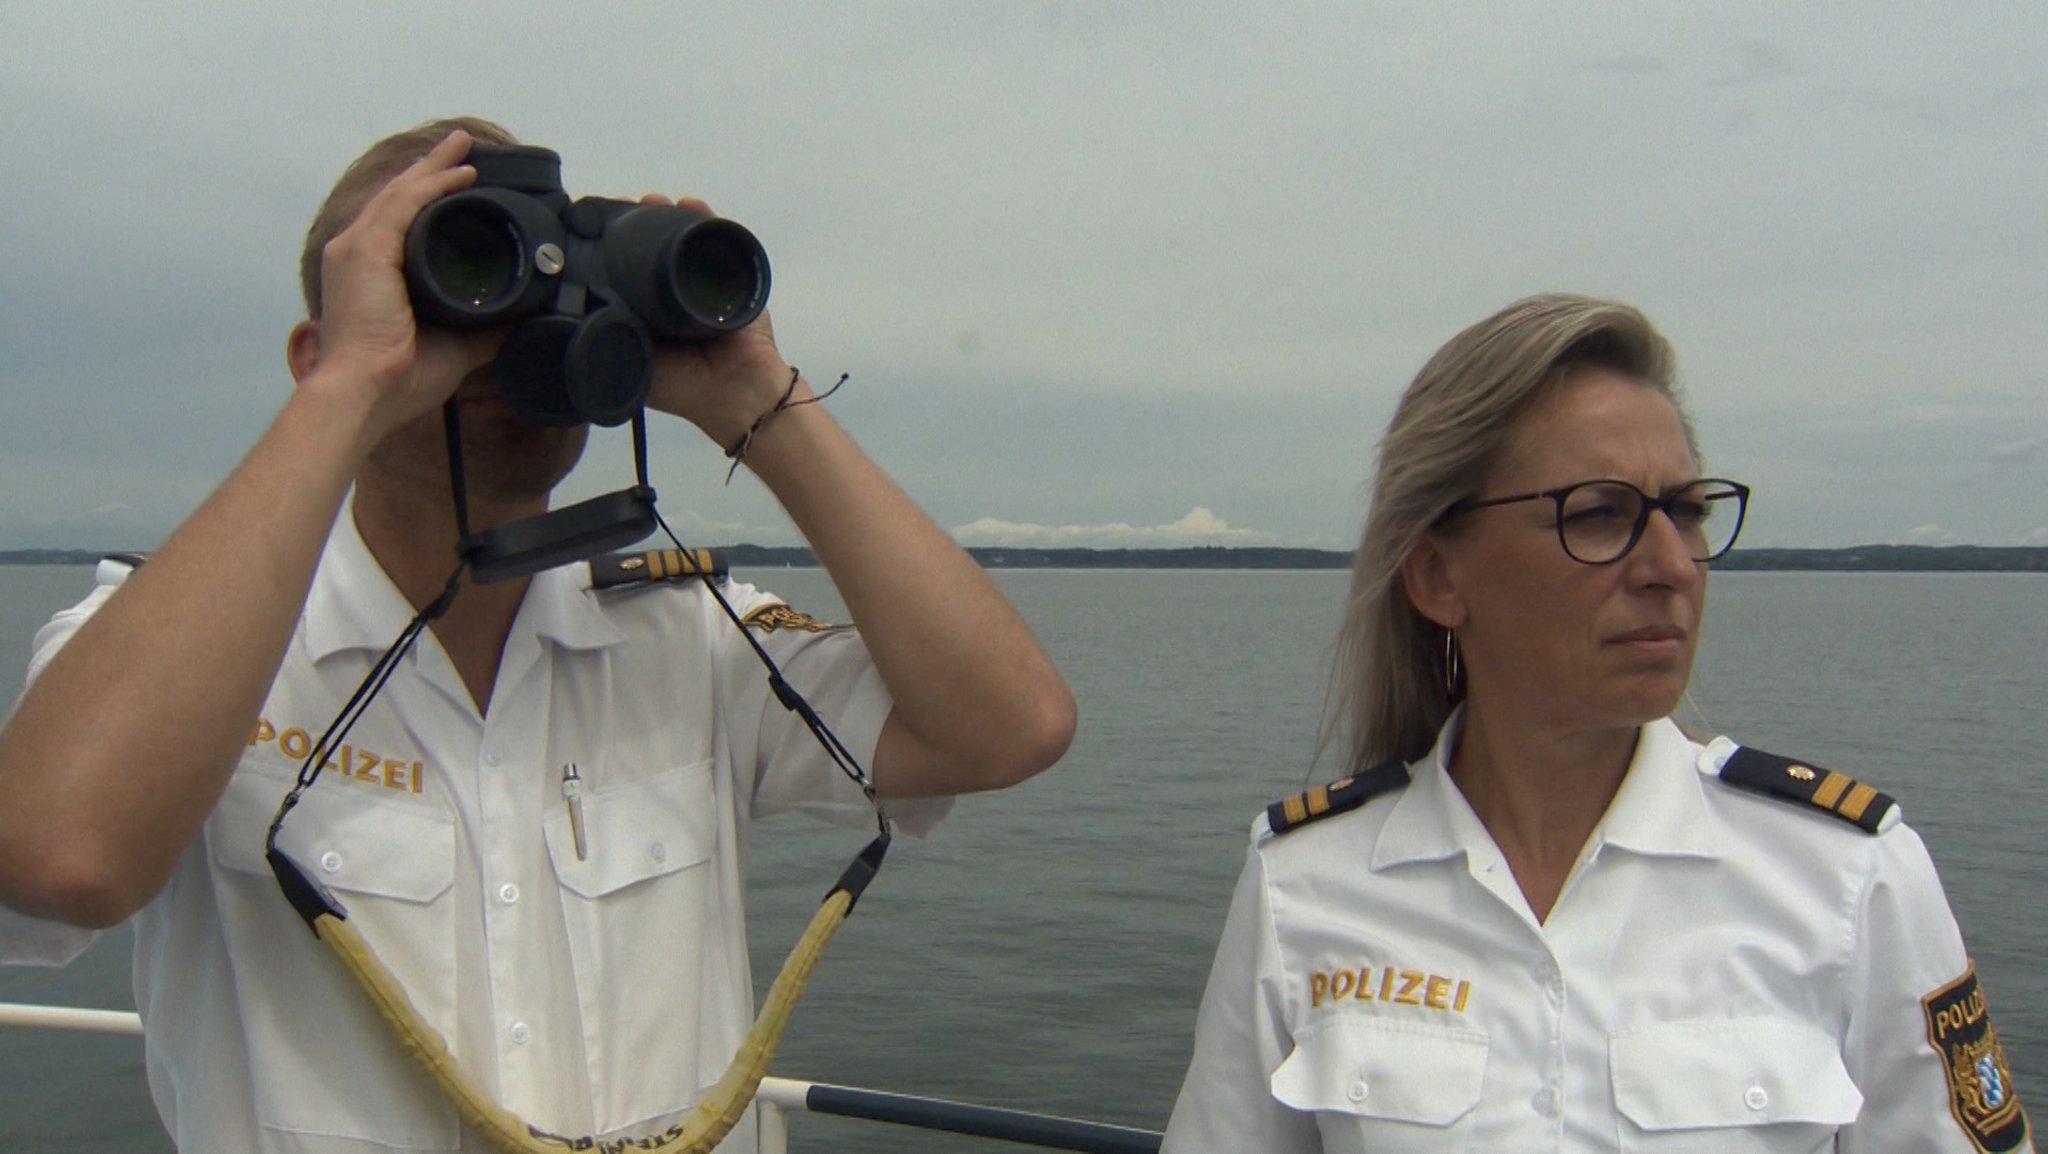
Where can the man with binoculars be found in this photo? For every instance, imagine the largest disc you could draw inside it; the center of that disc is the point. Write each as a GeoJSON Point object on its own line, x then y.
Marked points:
{"type": "Point", "coordinates": [540, 822]}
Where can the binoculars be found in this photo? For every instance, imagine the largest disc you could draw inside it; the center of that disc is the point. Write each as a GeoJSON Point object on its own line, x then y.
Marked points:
{"type": "Point", "coordinates": [587, 285]}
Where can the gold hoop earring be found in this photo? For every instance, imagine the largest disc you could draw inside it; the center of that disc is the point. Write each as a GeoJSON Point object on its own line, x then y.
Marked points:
{"type": "Point", "coordinates": [1451, 669]}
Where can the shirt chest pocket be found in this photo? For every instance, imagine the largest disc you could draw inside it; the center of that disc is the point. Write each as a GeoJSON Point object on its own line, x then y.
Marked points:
{"type": "Point", "coordinates": [643, 908]}
{"type": "Point", "coordinates": [1385, 1086]}
{"type": "Point", "coordinates": [391, 864]}
{"type": "Point", "coordinates": [1730, 1086]}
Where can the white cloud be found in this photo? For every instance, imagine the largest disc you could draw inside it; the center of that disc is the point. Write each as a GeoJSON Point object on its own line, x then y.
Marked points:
{"type": "Point", "coordinates": [1929, 535]}
{"type": "Point", "coordinates": [1199, 527]}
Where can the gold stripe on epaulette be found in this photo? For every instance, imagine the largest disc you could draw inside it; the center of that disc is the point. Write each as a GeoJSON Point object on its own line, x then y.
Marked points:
{"type": "Point", "coordinates": [1296, 811]}
{"type": "Point", "coordinates": [1827, 790]}
{"type": "Point", "coordinates": [665, 563]}
{"type": "Point", "coordinates": [1319, 800]}
{"type": "Point", "coordinates": [1859, 799]}
{"type": "Point", "coordinates": [1831, 788]}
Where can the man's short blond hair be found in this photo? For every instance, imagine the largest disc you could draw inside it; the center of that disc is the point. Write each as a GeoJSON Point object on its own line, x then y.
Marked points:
{"type": "Point", "coordinates": [370, 172]}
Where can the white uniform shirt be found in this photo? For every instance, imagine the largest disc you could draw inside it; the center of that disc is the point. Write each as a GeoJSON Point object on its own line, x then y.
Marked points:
{"type": "Point", "coordinates": [1722, 972]}
{"type": "Point", "coordinates": [592, 996]}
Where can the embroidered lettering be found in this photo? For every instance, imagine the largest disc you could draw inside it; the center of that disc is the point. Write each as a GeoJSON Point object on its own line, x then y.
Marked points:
{"type": "Point", "coordinates": [1410, 981]}
{"type": "Point", "coordinates": [1340, 983]}
{"type": "Point", "coordinates": [1437, 995]}
{"type": "Point", "coordinates": [349, 763]}
{"type": "Point", "coordinates": [1403, 987]}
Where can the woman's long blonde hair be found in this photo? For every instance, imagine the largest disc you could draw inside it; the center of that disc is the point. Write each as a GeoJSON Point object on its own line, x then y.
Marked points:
{"type": "Point", "coordinates": [1389, 689]}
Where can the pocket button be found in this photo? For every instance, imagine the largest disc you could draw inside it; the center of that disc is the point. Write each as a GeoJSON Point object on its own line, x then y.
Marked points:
{"type": "Point", "coordinates": [1756, 1098]}
{"type": "Point", "coordinates": [1357, 1091]}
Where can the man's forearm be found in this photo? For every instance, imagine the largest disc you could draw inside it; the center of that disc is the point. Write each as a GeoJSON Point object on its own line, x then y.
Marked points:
{"type": "Point", "coordinates": [119, 750]}
{"type": "Point", "coordinates": [979, 705]}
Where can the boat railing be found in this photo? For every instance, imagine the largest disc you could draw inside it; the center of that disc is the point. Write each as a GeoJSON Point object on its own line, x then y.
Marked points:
{"type": "Point", "coordinates": [778, 1099]}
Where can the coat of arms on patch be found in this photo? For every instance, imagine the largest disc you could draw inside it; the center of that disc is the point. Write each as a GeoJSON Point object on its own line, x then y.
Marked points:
{"type": "Point", "coordinates": [1980, 1087]}
{"type": "Point", "coordinates": [769, 618]}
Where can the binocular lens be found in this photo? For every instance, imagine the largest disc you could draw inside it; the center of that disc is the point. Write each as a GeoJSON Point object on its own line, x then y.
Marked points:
{"type": "Point", "coordinates": [718, 272]}
{"type": "Point", "coordinates": [473, 255]}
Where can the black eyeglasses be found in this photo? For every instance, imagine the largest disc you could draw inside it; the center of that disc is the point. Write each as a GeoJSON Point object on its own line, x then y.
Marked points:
{"type": "Point", "coordinates": [1600, 521]}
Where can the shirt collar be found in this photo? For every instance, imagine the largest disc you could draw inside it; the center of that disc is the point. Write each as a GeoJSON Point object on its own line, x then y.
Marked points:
{"type": "Point", "coordinates": [1660, 809]}
{"type": "Point", "coordinates": [353, 604]}
{"type": "Point", "coordinates": [1425, 822]}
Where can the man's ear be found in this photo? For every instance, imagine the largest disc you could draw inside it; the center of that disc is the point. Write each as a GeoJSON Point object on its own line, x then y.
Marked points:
{"type": "Point", "coordinates": [1426, 577]}
{"type": "Point", "coordinates": [302, 349]}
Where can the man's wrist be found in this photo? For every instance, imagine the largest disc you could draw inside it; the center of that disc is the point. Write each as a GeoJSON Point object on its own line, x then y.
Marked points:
{"type": "Point", "coordinates": [339, 401]}
{"type": "Point", "coordinates": [796, 394]}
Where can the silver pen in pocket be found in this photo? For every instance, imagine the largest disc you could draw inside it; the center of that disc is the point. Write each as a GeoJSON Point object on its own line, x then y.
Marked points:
{"type": "Point", "coordinates": [572, 793]}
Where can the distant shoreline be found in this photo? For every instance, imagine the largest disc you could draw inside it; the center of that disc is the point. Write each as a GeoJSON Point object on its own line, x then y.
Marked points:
{"type": "Point", "coordinates": [1853, 559]}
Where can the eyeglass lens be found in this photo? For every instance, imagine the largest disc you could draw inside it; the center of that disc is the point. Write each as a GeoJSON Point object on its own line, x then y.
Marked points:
{"type": "Point", "coordinates": [1599, 521]}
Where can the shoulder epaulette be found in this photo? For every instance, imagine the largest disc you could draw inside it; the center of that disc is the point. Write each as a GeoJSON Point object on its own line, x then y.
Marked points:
{"type": "Point", "coordinates": [617, 569]}
{"type": "Point", "coordinates": [1337, 797]}
{"type": "Point", "coordinates": [1824, 789]}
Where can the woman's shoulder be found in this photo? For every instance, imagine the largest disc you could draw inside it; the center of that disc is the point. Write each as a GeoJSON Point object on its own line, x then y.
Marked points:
{"type": "Point", "coordinates": [1830, 797]}
{"type": "Point", "coordinates": [1327, 801]}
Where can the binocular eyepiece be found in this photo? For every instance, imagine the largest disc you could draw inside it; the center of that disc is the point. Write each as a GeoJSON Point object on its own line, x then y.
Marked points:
{"type": "Point", "coordinates": [587, 285]}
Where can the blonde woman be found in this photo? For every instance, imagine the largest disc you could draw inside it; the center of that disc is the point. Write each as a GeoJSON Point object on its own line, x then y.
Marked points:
{"type": "Point", "coordinates": [1538, 915]}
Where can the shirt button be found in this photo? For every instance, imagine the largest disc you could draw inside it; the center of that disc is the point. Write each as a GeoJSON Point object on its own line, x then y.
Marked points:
{"type": "Point", "coordinates": [330, 861]}
{"type": "Point", "coordinates": [1756, 1098]}
{"type": "Point", "coordinates": [658, 852]}
{"type": "Point", "coordinates": [1545, 1101]}
{"type": "Point", "coordinates": [520, 1033]}
{"type": "Point", "coordinates": [491, 756]}
{"type": "Point", "coordinates": [1357, 1091]}
{"type": "Point", "coordinates": [508, 893]}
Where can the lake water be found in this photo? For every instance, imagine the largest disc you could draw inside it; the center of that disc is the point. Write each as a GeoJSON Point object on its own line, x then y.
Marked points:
{"type": "Point", "coordinates": [1046, 948]}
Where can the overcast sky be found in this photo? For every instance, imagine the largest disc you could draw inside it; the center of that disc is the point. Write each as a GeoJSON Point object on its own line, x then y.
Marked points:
{"type": "Point", "coordinates": [1103, 273]}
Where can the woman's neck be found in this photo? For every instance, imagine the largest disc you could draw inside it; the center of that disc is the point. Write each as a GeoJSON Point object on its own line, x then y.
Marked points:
{"type": "Point", "coordinates": [1539, 793]}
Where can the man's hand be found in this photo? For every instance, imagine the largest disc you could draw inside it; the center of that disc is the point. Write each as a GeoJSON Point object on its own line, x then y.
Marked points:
{"type": "Point", "coordinates": [722, 385]}
{"type": "Point", "coordinates": [367, 337]}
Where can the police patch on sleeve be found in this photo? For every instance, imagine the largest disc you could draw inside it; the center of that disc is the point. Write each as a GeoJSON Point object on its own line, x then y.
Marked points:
{"type": "Point", "coordinates": [769, 618]}
{"type": "Point", "coordinates": [1980, 1090]}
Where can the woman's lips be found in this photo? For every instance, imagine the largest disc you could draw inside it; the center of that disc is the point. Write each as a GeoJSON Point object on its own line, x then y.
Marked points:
{"type": "Point", "coordinates": [1652, 639]}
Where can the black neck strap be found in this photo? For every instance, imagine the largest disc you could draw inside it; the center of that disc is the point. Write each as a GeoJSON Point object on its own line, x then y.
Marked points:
{"type": "Point", "coordinates": [559, 536]}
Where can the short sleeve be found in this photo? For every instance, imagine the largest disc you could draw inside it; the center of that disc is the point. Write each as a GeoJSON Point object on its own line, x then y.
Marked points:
{"type": "Point", "coordinates": [1921, 1043]}
{"type": "Point", "coordinates": [27, 941]}
{"type": "Point", "coordinates": [1226, 1104]}
{"type": "Point", "coordinates": [831, 668]}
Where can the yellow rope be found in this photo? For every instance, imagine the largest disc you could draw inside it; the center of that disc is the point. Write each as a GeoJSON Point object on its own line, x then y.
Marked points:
{"type": "Point", "coordinates": [715, 1114]}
